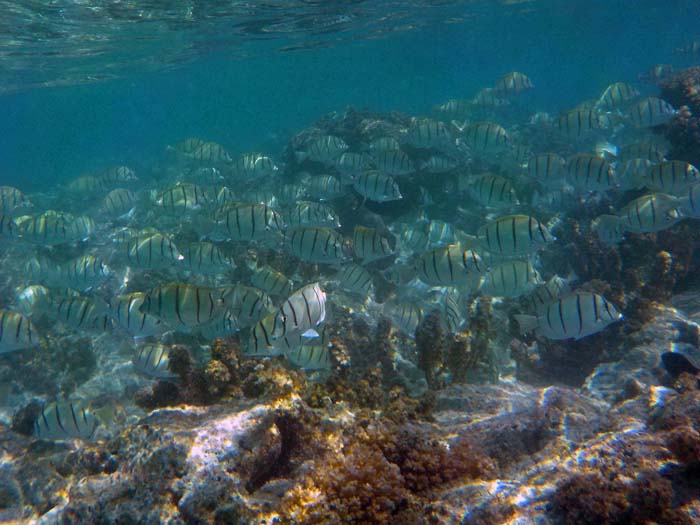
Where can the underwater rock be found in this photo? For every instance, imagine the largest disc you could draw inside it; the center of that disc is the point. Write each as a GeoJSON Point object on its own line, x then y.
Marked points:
{"type": "Point", "coordinates": [488, 454]}
{"type": "Point", "coordinates": [642, 355]}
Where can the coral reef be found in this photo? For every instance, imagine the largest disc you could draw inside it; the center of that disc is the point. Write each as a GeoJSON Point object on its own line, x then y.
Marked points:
{"type": "Point", "coordinates": [489, 454]}
{"type": "Point", "coordinates": [682, 89]}
{"type": "Point", "coordinates": [591, 499]}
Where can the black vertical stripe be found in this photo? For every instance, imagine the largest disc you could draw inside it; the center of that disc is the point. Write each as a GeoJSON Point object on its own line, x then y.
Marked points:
{"type": "Point", "coordinates": [578, 312]}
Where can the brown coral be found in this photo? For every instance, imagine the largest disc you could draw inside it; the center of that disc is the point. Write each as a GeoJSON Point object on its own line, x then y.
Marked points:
{"type": "Point", "coordinates": [592, 499]}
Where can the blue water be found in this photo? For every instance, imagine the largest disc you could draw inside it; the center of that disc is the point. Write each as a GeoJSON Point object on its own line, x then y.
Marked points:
{"type": "Point", "coordinates": [570, 49]}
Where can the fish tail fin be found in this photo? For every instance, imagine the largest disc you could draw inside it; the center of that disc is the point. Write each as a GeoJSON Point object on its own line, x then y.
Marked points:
{"type": "Point", "coordinates": [527, 323]}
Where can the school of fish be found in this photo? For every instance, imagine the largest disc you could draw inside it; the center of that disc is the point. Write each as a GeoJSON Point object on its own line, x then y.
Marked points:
{"type": "Point", "coordinates": [428, 210]}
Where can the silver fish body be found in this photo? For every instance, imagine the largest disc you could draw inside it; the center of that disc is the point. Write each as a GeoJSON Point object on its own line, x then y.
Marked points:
{"type": "Point", "coordinates": [317, 244]}
{"type": "Point", "coordinates": [65, 420]}
{"type": "Point", "coordinates": [377, 186]}
{"type": "Point", "coordinates": [182, 305]}
{"type": "Point", "coordinates": [126, 312]}
{"type": "Point", "coordinates": [307, 213]}
{"type": "Point", "coordinates": [573, 316]}
{"type": "Point", "coordinates": [493, 191]}
{"type": "Point", "coordinates": [17, 332]}
{"type": "Point", "coordinates": [510, 279]}
{"type": "Point", "coordinates": [651, 111]}
{"type": "Point", "coordinates": [650, 213]}
{"type": "Point", "coordinates": [369, 245]}
{"type": "Point", "coordinates": [513, 235]}
{"type": "Point", "coordinates": [448, 266]}
{"type": "Point", "coordinates": [152, 360]}
{"type": "Point", "coordinates": [354, 278]}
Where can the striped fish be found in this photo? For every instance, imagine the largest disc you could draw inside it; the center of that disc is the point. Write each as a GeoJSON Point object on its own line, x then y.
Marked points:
{"type": "Point", "coordinates": [616, 95]}
{"type": "Point", "coordinates": [126, 312]}
{"type": "Point", "coordinates": [590, 172]}
{"type": "Point", "coordinates": [151, 360]}
{"type": "Point", "coordinates": [384, 144]}
{"type": "Point", "coordinates": [249, 222]}
{"type": "Point", "coordinates": [247, 304]}
{"type": "Point", "coordinates": [438, 164]}
{"type": "Point", "coordinates": [640, 150]}
{"type": "Point", "coordinates": [207, 259]}
{"type": "Point", "coordinates": [84, 272]}
{"type": "Point", "coordinates": [448, 266]}
{"type": "Point", "coordinates": [209, 152]}
{"type": "Point", "coordinates": [674, 177]}
{"type": "Point", "coordinates": [690, 202]}
{"type": "Point", "coordinates": [271, 281]}
{"type": "Point", "coordinates": [225, 326]}
{"type": "Point", "coordinates": [32, 299]}
{"type": "Point", "coordinates": [452, 315]}
{"type": "Point", "coordinates": [189, 145]}
{"type": "Point", "coordinates": [79, 313]}
{"type": "Point", "coordinates": [369, 245]}
{"type": "Point", "coordinates": [40, 268]}
{"type": "Point", "coordinates": [183, 305]}
{"type": "Point", "coordinates": [651, 111]}
{"type": "Point", "coordinates": [578, 122]}
{"type": "Point", "coordinates": [317, 244]}
{"type": "Point", "coordinates": [65, 420]}
{"type": "Point", "coordinates": [323, 186]}
{"type": "Point", "coordinates": [377, 186]}
{"type": "Point", "coordinates": [12, 199]}
{"type": "Point", "coordinates": [428, 134]}
{"type": "Point", "coordinates": [310, 357]}
{"type": "Point", "coordinates": [393, 162]}
{"type": "Point", "coordinates": [413, 237]}
{"type": "Point", "coordinates": [608, 228]}
{"type": "Point", "coordinates": [119, 202]}
{"type": "Point", "coordinates": [306, 213]}
{"type": "Point", "coordinates": [573, 316]}
{"type": "Point", "coordinates": [185, 197]}
{"type": "Point", "coordinates": [406, 316]}
{"type": "Point", "coordinates": [548, 292]}
{"type": "Point", "coordinates": [440, 233]}
{"type": "Point", "coordinates": [251, 166]}
{"type": "Point", "coordinates": [325, 150]}
{"type": "Point", "coordinates": [7, 227]}
{"type": "Point", "coordinates": [53, 228]}
{"type": "Point", "coordinates": [290, 193]}
{"type": "Point", "coordinates": [546, 168]}
{"type": "Point", "coordinates": [510, 279]}
{"type": "Point", "coordinates": [650, 213]}
{"type": "Point", "coordinates": [424, 234]}
{"type": "Point", "coordinates": [17, 332]}
{"type": "Point", "coordinates": [513, 235]}
{"type": "Point", "coordinates": [455, 108]}
{"type": "Point", "coordinates": [152, 251]}
{"type": "Point", "coordinates": [513, 83]}
{"type": "Point", "coordinates": [207, 175]}
{"type": "Point", "coordinates": [488, 98]}
{"type": "Point", "coordinates": [117, 174]}
{"type": "Point", "coordinates": [633, 173]}
{"type": "Point", "coordinates": [493, 191]}
{"type": "Point", "coordinates": [304, 310]}
{"type": "Point", "coordinates": [486, 137]}
{"type": "Point", "coordinates": [355, 279]}
{"type": "Point", "coordinates": [351, 162]}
